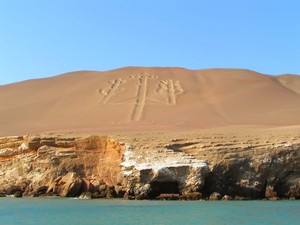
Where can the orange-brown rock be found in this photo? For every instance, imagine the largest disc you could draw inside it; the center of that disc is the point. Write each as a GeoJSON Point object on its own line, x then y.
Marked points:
{"type": "Point", "coordinates": [249, 164]}
{"type": "Point", "coordinates": [66, 165]}
{"type": "Point", "coordinates": [169, 197]}
{"type": "Point", "coordinates": [69, 185]}
{"type": "Point", "coordinates": [227, 198]}
{"type": "Point", "coordinates": [191, 196]}
{"type": "Point", "coordinates": [215, 196]}
{"type": "Point", "coordinates": [270, 193]}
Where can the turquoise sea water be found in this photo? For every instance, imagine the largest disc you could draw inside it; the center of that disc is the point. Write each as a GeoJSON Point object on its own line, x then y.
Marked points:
{"type": "Point", "coordinates": [71, 211]}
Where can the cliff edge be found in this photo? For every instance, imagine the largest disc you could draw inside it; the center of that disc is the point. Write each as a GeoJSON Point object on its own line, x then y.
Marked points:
{"type": "Point", "coordinates": [243, 165]}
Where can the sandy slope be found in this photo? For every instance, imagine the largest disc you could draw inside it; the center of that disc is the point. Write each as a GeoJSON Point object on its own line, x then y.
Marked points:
{"type": "Point", "coordinates": [134, 98]}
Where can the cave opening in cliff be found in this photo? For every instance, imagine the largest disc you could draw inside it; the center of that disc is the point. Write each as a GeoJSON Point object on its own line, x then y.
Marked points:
{"type": "Point", "coordinates": [165, 187]}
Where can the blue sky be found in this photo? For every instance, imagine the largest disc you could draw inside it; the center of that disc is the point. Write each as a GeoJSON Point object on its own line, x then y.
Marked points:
{"type": "Point", "coordinates": [49, 37]}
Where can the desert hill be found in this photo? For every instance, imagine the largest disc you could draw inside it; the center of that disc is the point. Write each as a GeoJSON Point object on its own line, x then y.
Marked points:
{"type": "Point", "coordinates": [152, 133]}
{"type": "Point", "coordinates": [136, 98]}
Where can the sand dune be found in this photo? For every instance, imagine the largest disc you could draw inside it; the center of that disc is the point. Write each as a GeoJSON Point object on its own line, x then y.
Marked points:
{"type": "Point", "coordinates": [136, 98]}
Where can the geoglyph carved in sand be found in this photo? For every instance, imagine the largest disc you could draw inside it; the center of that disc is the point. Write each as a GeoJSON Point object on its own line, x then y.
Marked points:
{"type": "Point", "coordinates": [113, 89]}
{"type": "Point", "coordinates": [169, 89]}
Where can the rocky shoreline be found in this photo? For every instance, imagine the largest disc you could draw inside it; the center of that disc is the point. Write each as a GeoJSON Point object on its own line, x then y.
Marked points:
{"type": "Point", "coordinates": [169, 168]}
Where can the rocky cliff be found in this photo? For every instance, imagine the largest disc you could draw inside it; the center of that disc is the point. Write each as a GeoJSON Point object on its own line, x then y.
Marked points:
{"type": "Point", "coordinates": [190, 165]}
{"type": "Point", "coordinates": [31, 163]}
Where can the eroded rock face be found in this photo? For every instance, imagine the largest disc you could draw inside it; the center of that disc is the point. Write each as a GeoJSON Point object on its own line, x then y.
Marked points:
{"type": "Point", "coordinates": [65, 165]}
{"type": "Point", "coordinates": [162, 172]}
{"type": "Point", "coordinates": [148, 167]}
{"type": "Point", "coordinates": [258, 173]}
{"type": "Point", "coordinates": [69, 185]}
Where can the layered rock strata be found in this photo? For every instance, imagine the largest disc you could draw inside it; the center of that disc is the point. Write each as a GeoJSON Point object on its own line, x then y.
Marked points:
{"type": "Point", "coordinates": [156, 165]}
{"type": "Point", "coordinates": [65, 166]}
{"type": "Point", "coordinates": [151, 173]}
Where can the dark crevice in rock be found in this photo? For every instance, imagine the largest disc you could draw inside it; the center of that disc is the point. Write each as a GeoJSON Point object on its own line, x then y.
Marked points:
{"type": "Point", "coordinates": [157, 188]}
